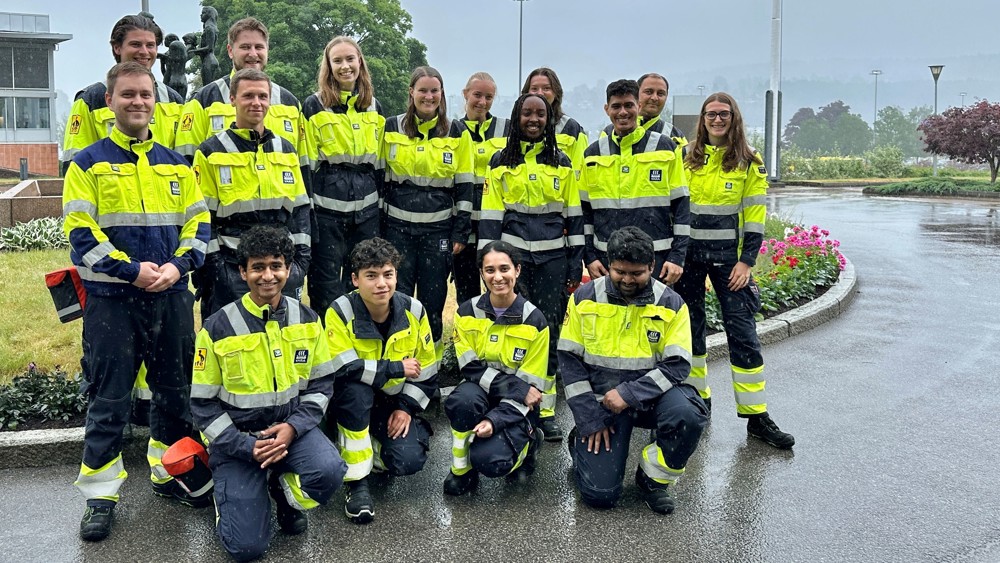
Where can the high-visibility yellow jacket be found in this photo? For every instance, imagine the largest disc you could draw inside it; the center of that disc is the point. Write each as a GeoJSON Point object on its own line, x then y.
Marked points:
{"type": "Point", "coordinates": [249, 179]}
{"type": "Point", "coordinates": [488, 137]}
{"type": "Point", "coordinates": [209, 112]}
{"type": "Point", "coordinates": [127, 201]}
{"type": "Point", "coordinates": [90, 119]}
{"type": "Point", "coordinates": [255, 367]}
{"type": "Point", "coordinates": [728, 210]}
{"type": "Point", "coordinates": [640, 347]}
{"type": "Point", "coordinates": [635, 180]}
{"type": "Point", "coordinates": [504, 355]}
{"type": "Point", "coordinates": [359, 353]}
{"type": "Point", "coordinates": [536, 208]}
{"type": "Point", "coordinates": [343, 146]}
{"type": "Point", "coordinates": [656, 125]}
{"type": "Point", "coordinates": [572, 140]}
{"type": "Point", "coordinates": [428, 180]}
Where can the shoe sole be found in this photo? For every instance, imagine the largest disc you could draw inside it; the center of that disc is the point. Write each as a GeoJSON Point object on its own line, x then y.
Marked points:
{"type": "Point", "coordinates": [667, 511]}
{"type": "Point", "coordinates": [772, 444]}
{"type": "Point", "coordinates": [364, 516]}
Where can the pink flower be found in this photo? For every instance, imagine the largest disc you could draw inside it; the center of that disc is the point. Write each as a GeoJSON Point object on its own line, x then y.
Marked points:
{"type": "Point", "coordinates": [825, 232]}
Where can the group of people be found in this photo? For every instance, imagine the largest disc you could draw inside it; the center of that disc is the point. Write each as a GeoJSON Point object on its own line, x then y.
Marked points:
{"type": "Point", "coordinates": [251, 193]}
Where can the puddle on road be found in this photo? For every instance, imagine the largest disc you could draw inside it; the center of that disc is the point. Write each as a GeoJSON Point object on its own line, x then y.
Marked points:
{"type": "Point", "coordinates": [969, 225]}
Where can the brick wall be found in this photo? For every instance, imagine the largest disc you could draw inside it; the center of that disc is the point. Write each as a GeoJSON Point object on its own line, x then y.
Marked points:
{"type": "Point", "coordinates": [43, 158]}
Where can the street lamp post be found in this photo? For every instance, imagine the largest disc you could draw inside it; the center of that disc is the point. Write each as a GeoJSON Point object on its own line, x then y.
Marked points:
{"type": "Point", "coordinates": [875, 73]}
{"type": "Point", "coordinates": [701, 88]}
{"type": "Point", "coordinates": [935, 72]}
{"type": "Point", "coordinates": [963, 94]}
{"type": "Point", "coordinates": [520, 39]}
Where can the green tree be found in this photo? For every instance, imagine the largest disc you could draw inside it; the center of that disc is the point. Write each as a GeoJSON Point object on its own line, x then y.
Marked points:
{"type": "Point", "coordinates": [893, 128]}
{"type": "Point", "coordinates": [833, 130]}
{"type": "Point", "coordinates": [300, 29]}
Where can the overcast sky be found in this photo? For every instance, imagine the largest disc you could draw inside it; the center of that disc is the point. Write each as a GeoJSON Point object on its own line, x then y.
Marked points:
{"type": "Point", "coordinates": [595, 41]}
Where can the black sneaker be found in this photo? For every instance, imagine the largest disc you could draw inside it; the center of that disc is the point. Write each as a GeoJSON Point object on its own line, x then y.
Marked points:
{"type": "Point", "coordinates": [458, 485]}
{"type": "Point", "coordinates": [291, 521]}
{"type": "Point", "coordinates": [96, 522]}
{"type": "Point", "coordinates": [527, 467]}
{"type": "Point", "coordinates": [763, 428]}
{"type": "Point", "coordinates": [551, 431]}
{"type": "Point", "coordinates": [358, 506]}
{"type": "Point", "coordinates": [655, 494]}
{"type": "Point", "coordinates": [173, 490]}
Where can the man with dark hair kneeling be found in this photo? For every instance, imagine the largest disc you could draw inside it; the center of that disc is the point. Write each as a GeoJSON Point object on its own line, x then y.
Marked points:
{"type": "Point", "coordinates": [263, 378]}
{"type": "Point", "coordinates": [624, 353]}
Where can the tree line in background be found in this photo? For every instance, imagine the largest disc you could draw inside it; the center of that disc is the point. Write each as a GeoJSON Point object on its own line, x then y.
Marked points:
{"type": "Point", "coordinates": [835, 131]}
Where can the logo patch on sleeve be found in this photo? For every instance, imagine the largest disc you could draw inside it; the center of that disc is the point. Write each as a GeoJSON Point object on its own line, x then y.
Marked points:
{"type": "Point", "coordinates": [74, 124]}
{"type": "Point", "coordinates": [175, 188]}
{"type": "Point", "coordinates": [494, 338]}
{"type": "Point", "coordinates": [482, 151]}
{"type": "Point", "coordinates": [187, 121]}
{"type": "Point", "coordinates": [260, 167]}
{"type": "Point", "coordinates": [301, 357]}
{"type": "Point", "coordinates": [519, 354]}
{"type": "Point", "coordinates": [655, 175]}
{"type": "Point", "coordinates": [447, 158]}
{"type": "Point", "coordinates": [653, 336]}
{"type": "Point", "coordinates": [287, 177]}
{"type": "Point", "coordinates": [288, 127]}
{"type": "Point", "coordinates": [427, 339]}
{"type": "Point", "coordinates": [200, 355]}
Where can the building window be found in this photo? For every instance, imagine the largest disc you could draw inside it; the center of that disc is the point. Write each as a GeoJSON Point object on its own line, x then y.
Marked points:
{"type": "Point", "coordinates": [24, 113]}
{"type": "Point", "coordinates": [6, 67]}
{"type": "Point", "coordinates": [31, 68]}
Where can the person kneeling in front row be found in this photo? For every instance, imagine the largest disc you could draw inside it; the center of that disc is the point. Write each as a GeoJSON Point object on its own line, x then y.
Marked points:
{"type": "Point", "coordinates": [624, 354]}
{"type": "Point", "coordinates": [263, 378]}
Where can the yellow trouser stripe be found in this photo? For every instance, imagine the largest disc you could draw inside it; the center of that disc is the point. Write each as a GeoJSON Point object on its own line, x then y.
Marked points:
{"type": "Point", "coordinates": [103, 482]}
{"type": "Point", "coordinates": [291, 485]}
{"type": "Point", "coordinates": [748, 386]}
{"type": "Point", "coordinates": [656, 468]}
{"type": "Point", "coordinates": [460, 452]}
{"type": "Point", "coordinates": [355, 448]}
{"type": "Point", "coordinates": [548, 406]}
{"type": "Point", "coordinates": [699, 376]}
{"type": "Point", "coordinates": [154, 455]}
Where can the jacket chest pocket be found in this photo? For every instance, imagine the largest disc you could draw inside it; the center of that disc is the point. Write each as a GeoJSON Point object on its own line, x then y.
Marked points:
{"type": "Point", "coordinates": [729, 187]}
{"type": "Point", "coordinates": [282, 176]}
{"type": "Point", "coordinates": [517, 340]}
{"type": "Point", "coordinates": [243, 361]}
{"type": "Point", "coordinates": [651, 173]}
{"type": "Point", "coordinates": [367, 348]}
{"type": "Point", "coordinates": [165, 123]}
{"type": "Point", "coordinates": [403, 345]}
{"type": "Point", "coordinates": [298, 340]}
{"type": "Point", "coordinates": [236, 176]}
{"type": "Point", "coordinates": [220, 116]}
{"type": "Point", "coordinates": [116, 187]}
{"type": "Point", "coordinates": [650, 337]}
{"type": "Point", "coordinates": [439, 158]}
{"type": "Point", "coordinates": [599, 331]}
{"type": "Point", "coordinates": [601, 177]}
{"type": "Point", "coordinates": [284, 121]}
{"type": "Point", "coordinates": [565, 143]}
{"type": "Point", "coordinates": [171, 180]}
{"type": "Point", "coordinates": [104, 120]}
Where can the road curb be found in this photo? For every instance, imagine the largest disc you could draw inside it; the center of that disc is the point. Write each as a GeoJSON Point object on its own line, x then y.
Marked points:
{"type": "Point", "coordinates": [40, 448]}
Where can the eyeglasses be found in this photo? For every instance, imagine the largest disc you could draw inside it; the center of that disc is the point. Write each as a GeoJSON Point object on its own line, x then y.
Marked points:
{"type": "Point", "coordinates": [724, 115]}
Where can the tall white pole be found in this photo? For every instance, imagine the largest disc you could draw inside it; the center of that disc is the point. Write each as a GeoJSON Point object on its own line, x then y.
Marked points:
{"type": "Point", "coordinates": [773, 128]}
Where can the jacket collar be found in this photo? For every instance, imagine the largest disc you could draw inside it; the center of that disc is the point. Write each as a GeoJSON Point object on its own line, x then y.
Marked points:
{"type": "Point", "coordinates": [364, 326]}
{"type": "Point", "coordinates": [131, 144]}
{"type": "Point", "coordinates": [512, 316]}
{"type": "Point", "coordinates": [265, 313]}
{"type": "Point", "coordinates": [644, 297]}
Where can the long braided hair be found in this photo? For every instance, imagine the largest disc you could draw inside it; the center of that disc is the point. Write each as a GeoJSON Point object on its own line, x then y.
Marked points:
{"type": "Point", "coordinates": [511, 156]}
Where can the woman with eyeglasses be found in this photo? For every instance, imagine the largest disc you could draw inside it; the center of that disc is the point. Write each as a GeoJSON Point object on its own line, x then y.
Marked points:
{"type": "Point", "coordinates": [728, 184]}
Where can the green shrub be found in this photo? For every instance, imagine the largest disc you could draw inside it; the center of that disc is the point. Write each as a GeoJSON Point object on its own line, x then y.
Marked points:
{"type": "Point", "coordinates": [35, 394]}
{"type": "Point", "coordinates": [37, 234]}
{"type": "Point", "coordinates": [942, 185]}
{"type": "Point", "coordinates": [885, 161]}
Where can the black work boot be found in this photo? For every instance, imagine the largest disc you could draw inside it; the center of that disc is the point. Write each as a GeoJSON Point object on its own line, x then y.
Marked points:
{"type": "Point", "coordinates": [96, 522]}
{"type": "Point", "coordinates": [358, 506]}
{"type": "Point", "coordinates": [291, 520]}
{"type": "Point", "coordinates": [655, 494]}
{"type": "Point", "coordinates": [458, 485]}
{"type": "Point", "coordinates": [527, 467]}
{"type": "Point", "coordinates": [173, 491]}
{"type": "Point", "coordinates": [763, 428]}
{"type": "Point", "coordinates": [551, 431]}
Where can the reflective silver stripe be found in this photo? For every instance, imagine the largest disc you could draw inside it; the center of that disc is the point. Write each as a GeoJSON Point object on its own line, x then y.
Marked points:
{"type": "Point", "coordinates": [141, 220]}
{"type": "Point", "coordinates": [753, 228]}
{"type": "Point", "coordinates": [142, 393]}
{"type": "Point", "coordinates": [604, 146]}
{"type": "Point", "coordinates": [204, 489]}
{"type": "Point", "coordinates": [618, 363]}
{"type": "Point", "coordinates": [491, 215]}
{"type": "Point", "coordinates": [416, 309]}
{"type": "Point", "coordinates": [478, 313]}
{"type": "Point", "coordinates": [751, 398]}
{"type": "Point", "coordinates": [212, 203]}
{"type": "Point", "coordinates": [677, 350]}
{"type": "Point", "coordinates": [723, 210]}
{"type": "Point", "coordinates": [421, 181]}
{"type": "Point", "coordinates": [699, 383]}
{"type": "Point", "coordinates": [393, 386]}
{"type": "Point", "coordinates": [293, 311]}
{"type": "Point", "coordinates": [90, 275]}
{"type": "Point", "coordinates": [80, 206]}
{"type": "Point", "coordinates": [682, 230]}
{"type": "Point", "coordinates": [576, 240]}
{"type": "Point", "coordinates": [578, 388]}
{"type": "Point", "coordinates": [202, 391]}
{"type": "Point", "coordinates": [213, 246]}
{"type": "Point", "coordinates": [427, 373]}
{"type": "Point", "coordinates": [521, 407]}
{"type": "Point", "coordinates": [223, 88]}
{"type": "Point", "coordinates": [748, 377]}
{"type": "Point", "coordinates": [714, 234]}
{"type": "Point", "coordinates": [631, 203]}
{"type": "Point", "coordinates": [227, 143]}
{"type": "Point", "coordinates": [658, 244]}
{"type": "Point", "coordinates": [195, 208]}
{"type": "Point", "coordinates": [534, 245]}
{"type": "Point", "coordinates": [301, 239]}
{"type": "Point", "coordinates": [601, 290]}
{"type": "Point", "coordinates": [342, 206]}
{"type": "Point", "coordinates": [465, 206]}
{"type": "Point", "coordinates": [566, 345]}
{"type": "Point", "coordinates": [499, 366]}
{"type": "Point", "coordinates": [416, 394]}
{"type": "Point", "coordinates": [699, 361]}
{"type": "Point", "coordinates": [258, 400]}
{"type": "Point", "coordinates": [322, 370]}
{"type": "Point", "coordinates": [161, 92]}
{"type": "Point", "coordinates": [229, 242]}
{"type": "Point", "coordinates": [98, 252]}
{"type": "Point", "coordinates": [679, 192]}
{"type": "Point", "coordinates": [465, 178]}
{"type": "Point", "coordinates": [415, 217]}
{"type": "Point", "coordinates": [371, 370]}
{"type": "Point", "coordinates": [104, 483]}
{"type": "Point", "coordinates": [317, 398]}
{"type": "Point", "coordinates": [467, 357]}
{"type": "Point", "coordinates": [588, 229]}
{"type": "Point", "coordinates": [218, 426]}
{"type": "Point", "coordinates": [658, 290]}
{"type": "Point", "coordinates": [659, 379]}
{"type": "Point", "coordinates": [194, 244]}
{"type": "Point", "coordinates": [344, 304]}
{"type": "Point", "coordinates": [541, 383]}
{"type": "Point", "coordinates": [548, 401]}
{"type": "Point", "coordinates": [239, 325]}
{"type": "Point", "coordinates": [651, 142]}
{"type": "Point", "coordinates": [487, 379]}
{"type": "Point", "coordinates": [356, 160]}
{"type": "Point", "coordinates": [650, 464]}
{"type": "Point", "coordinates": [574, 211]}
{"type": "Point", "coordinates": [552, 207]}
{"type": "Point", "coordinates": [754, 200]}
{"type": "Point", "coordinates": [255, 205]}
{"type": "Point", "coordinates": [68, 310]}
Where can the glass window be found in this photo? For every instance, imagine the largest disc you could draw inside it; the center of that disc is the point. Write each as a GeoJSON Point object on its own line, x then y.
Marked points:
{"type": "Point", "coordinates": [31, 68]}
{"type": "Point", "coordinates": [31, 113]}
{"type": "Point", "coordinates": [42, 24]}
{"type": "Point", "coordinates": [5, 22]}
{"type": "Point", "coordinates": [15, 22]}
{"type": "Point", "coordinates": [28, 24]}
{"type": "Point", "coordinates": [6, 70]}
{"type": "Point", "coordinates": [6, 113]}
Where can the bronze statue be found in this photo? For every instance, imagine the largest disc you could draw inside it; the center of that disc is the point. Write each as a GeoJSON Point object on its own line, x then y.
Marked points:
{"type": "Point", "coordinates": [172, 64]}
{"type": "Point", "coordinates": [206, 46]}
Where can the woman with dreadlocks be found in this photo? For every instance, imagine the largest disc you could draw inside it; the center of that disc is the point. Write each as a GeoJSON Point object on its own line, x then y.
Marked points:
{"type": "Point", "coordinates": [531, 200]}
{"type": "Point", "coordinates": [569, 133]}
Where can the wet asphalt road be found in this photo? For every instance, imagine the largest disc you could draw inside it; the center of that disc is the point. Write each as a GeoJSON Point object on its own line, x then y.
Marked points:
{"type": "Point", "coordinates": [893, 406]}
